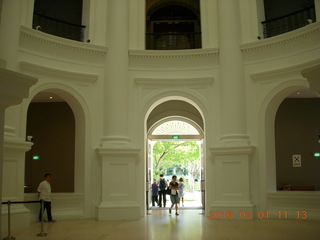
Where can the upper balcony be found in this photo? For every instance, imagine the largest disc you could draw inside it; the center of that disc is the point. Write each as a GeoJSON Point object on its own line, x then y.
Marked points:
{"type": "Point", "coordinates": [289, 22]}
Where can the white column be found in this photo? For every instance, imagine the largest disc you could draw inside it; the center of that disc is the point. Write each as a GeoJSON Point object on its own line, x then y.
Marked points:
{"type": "Point", "coordinates": [231, 159]}
{"type": "Point", "coordinates": [209, 23]}
{"type": "Point", "coordinates": [9, 32]}
{"type": "Point", "coordinates": [13, 87]}
{"type": "Point", "coordinates": [2, 108]}
{"type": "Point", "coordinates": [233, 106]}
{"type": "Point", "coordinates": [119, 187]}
{"type": "Point", "coordinates": [317, 8]}
{"type": "Point", "coordinates": [116, 75]}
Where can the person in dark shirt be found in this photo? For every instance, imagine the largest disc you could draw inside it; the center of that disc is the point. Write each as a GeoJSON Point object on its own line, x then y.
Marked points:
{"type": "Point", "coordinates": [155, 192]}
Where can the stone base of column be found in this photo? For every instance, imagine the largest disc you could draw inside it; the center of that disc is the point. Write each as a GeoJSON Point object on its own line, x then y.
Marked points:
{"type": "Point", "coordinates": [115, 142]}
{"type": "Point", "coordinates": [121, 183]}
{"type": "Point", "coordinates": [235, 140]}
{"type": "Point", "coordinates": [231, 178]}
{"type": "Point", "coordinates": [19, 217]}
{"type": "Point", "coordinates": [118, 211]}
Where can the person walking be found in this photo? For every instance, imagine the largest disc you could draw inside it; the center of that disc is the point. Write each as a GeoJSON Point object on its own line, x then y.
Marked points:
{"type": "Point", "coordinates": [181, 191]}
{"type": "Point", "coordinates": [44, 193]}
{"type": "Point", "coordinates": [162, 183]}
{"type": "Point", "coordinates": [174, 186]}
{"type": "Point", "coordinates": [155, 192]}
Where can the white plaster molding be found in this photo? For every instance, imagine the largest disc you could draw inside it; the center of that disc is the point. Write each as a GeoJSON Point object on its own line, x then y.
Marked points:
{"type": "Point", "coordinates": [17, 145]}
{"type": "Point", "coordinates": [204, 81]}
{"type": "Point", "coordinates": [38, 43]}
{"type": "Point", "coordinates": [64, 43]}
{"type": "Point", "coordinates": [233, 150]}
{"type": "Point", "coordinates": [292, 72]}
{"type": "Point", "coordinates": [3, 63]}
{"type": "Point", "coordinates": [282, 39]}
{"type": "Point", "coordinates": [77, 77]}
{"type": "Point", "coordinates": [14, 86]}
{"type": "Point", "coordinates": [117, 151]}
{"type": "Point", "coordinates": [174, 59]}
{"type": "Point", "coordinates": [293, 201]}
{"type": "Point", "coordinates": [290, 44]}
{"type": "Point", "coordinates": [66, 205]}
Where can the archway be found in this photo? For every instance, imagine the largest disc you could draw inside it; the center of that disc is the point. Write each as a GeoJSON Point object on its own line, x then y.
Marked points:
{"type": "Point", "coordinates": [51, 128]}
{"type": "Point", "coordinates": [179, 122]}
{"type": "Point", "coordinates": [79, 196]}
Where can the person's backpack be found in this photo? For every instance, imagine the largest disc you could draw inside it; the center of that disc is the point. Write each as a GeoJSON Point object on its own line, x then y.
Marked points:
{"type": "Point", "coordinates": [162, 185]}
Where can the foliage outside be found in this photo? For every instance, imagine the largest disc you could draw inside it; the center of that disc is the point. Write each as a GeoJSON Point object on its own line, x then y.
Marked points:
{"type": "Point", "coordinates": [180, 157]}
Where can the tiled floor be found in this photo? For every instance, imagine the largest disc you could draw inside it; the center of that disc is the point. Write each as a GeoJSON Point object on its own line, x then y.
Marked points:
{"type": "Point", "coordinates": [188, 225]}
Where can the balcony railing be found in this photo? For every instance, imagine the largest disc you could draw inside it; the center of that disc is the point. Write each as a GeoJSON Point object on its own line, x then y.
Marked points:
{"type": "Point", "coordinates": [288, 22]}
{"type": "Point", "coordinates": [58, 27]}
{"type": "Point", "coordinates": [173, 41]}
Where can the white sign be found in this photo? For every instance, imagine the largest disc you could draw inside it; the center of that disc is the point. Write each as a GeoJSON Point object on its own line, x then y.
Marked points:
{"type": "Point", "coordinates": [296, 160]}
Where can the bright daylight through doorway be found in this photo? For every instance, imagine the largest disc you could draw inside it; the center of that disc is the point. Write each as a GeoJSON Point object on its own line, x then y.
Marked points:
{"type": "Point", "coordinates": [175, 148]}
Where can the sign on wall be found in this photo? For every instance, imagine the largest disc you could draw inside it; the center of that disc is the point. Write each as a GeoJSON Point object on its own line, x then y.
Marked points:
{"type": "Point", "coordinates": [296, 160]}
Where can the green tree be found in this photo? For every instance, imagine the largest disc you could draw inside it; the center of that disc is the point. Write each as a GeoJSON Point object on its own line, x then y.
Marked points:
{"type": "Point", "coordinates": [184, 154]}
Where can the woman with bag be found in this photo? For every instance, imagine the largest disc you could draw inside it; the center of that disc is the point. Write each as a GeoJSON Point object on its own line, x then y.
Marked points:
{"type": "Point", "coordinates": [174, 194]}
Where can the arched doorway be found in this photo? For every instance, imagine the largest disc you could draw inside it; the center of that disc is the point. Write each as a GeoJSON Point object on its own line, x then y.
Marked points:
{"type": "Point", "coordinates": [51, 128]}
{"type": "Point", "coordinates": [77, 195]}
{"type": "Point", "coordinates": [181, 124]}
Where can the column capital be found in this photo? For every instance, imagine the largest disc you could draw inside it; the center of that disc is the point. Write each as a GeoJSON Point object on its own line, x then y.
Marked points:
{"type": "Point", "coordinates": [233, 150]}
{"type": "Point", "coordinates": [14, 87]}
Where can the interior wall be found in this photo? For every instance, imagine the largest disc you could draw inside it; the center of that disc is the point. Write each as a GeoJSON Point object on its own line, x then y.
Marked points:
{"type": "Point", "coordinates": [69, 11]}
{"type": "Point", "coordinates": [296, 133]}
{"type": "Point", "coordinates": [52, 126]}
{"type": "Point", "coordinates": [276, 8]}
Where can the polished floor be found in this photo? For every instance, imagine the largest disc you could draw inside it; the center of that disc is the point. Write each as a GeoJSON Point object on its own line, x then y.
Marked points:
{"type": "Point", "coordinates": [190, 224]}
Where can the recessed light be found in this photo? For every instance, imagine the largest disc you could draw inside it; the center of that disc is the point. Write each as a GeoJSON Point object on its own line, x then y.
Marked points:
{"type": "Point", "coordinates": [51, 97]}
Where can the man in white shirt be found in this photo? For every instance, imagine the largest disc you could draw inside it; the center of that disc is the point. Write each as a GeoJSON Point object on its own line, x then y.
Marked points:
{"type": "Point", "coordinates": [44, 192]}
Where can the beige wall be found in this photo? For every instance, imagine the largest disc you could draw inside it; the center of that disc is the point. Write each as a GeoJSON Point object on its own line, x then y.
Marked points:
{"type": "Point", "coordinates": [296, 132]}
{"type": "Point", "coordinates": [53, 127]}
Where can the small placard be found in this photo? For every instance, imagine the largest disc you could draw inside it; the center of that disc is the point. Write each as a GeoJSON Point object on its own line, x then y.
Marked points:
{"type": "Point", "coordinates": [296, 160]}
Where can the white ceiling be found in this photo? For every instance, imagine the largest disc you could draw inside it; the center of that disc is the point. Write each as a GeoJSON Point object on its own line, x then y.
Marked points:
{"type": "Point", "coordinates": [46, 96]}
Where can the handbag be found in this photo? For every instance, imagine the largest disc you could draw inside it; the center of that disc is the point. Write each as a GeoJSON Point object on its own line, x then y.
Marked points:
{"type": "Point", "coordinates": [168, 191]}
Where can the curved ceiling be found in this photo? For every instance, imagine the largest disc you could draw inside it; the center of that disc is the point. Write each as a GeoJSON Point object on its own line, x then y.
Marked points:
{"type": "Point", "coordinates": [175, 127]}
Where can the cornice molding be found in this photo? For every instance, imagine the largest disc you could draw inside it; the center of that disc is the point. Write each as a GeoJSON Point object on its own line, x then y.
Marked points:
{"type": "Point", "coordinates": [62, 43]}
{"type": "Point", "coordinates": [77, 77]}
{"type": "Point", "coordinates": [232, 150]}
{"type": "Point", "coordinates": [174, 59]}
{"type": "Point", "coordinates": [174, 81]}
{"type": "Point", "coordinates": [119, 152]}
{"type": "Point", "coordinates": [17, 145]}
{"type": "Point", "coordinates": [174, 54]}
{"type": "Point", "coordinates": [14, 87]}
{"type": "Point", "coordinates": [282, 39]}
{"type": "Point", "coordinates": [292, 72]}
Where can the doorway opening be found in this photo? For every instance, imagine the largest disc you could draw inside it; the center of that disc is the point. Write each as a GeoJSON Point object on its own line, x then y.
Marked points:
{"type": "Point", "coordinates": [175, 147]}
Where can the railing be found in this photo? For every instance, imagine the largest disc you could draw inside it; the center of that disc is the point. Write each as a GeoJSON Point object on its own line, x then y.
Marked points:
{"type": "Point", "coordinates": [173, 41]}
{"type": "Point", "coordinates": [288, 22]}
{"type": "Point", "coordinates": [58, 27]}
{"type": "Point", "coordinates": [9, 237]}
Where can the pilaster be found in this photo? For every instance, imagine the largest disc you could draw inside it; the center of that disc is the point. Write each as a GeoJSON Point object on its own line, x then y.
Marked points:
{"type": "Point", "coordinates": [233, 107]}
{"type": "Point", "coordinates": [120, 184]}
{"type": "Point", "coordinates": [231, 180]}
{"type": "Point", "coordinates": [9, 32]}
{"type": "Point", "coordinates": [13, 88]}
{"type": "Point", "coordinates": [116, 75]}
